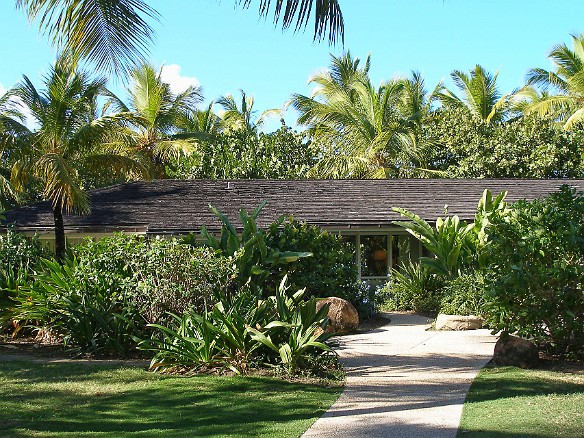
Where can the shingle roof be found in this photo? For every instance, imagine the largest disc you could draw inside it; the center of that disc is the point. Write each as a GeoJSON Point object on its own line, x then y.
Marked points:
{"type": "Point", "coordinates": [183, 205]}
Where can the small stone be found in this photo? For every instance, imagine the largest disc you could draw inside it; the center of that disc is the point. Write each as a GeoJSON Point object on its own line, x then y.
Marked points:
{"type": "Point", "coordinates": [342, 314]}
{"type": "Point", "coordinates": [516, 352]}
{"type": "Point", "coordinates": [458, 322]}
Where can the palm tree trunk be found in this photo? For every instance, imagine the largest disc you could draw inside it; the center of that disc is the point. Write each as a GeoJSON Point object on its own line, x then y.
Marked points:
{"type": "Point", "coordinates": [59, 233]}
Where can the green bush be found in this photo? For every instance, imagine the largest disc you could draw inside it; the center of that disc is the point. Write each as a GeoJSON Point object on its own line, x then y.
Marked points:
{"type": "Point", "coordinates": [414, 287]}
{"type": "Point", "coordinates": [160, 275]}
{"type": "Point", "coordinates": [464, 295]}
{"type": "Point", "coordinates": [255, 259]}
{"type": "Point", "coordinates": [19, 259]}
{"type": "Point", "coordinates": [86, 315]}
{"type": "Point", "coordinates": [109, 290]}
{"type": "Point", "coordinates": [536, 269]}
{"type": "Point", "coordinates": [19, 252]}
{"type": "Point", "coordinates": [331, 271]}
{"type": "Point", "coordinates": [281, 331]}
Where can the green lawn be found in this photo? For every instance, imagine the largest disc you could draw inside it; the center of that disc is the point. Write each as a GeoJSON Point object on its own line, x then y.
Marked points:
{"type": "Point", "coordinates": [75, 400]}
{"type": "Point", "coordinates": [511, 402]}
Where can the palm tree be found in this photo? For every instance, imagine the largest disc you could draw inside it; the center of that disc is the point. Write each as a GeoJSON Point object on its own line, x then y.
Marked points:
{"type": "Point", "coordinates": [114, 34]}
{"type": "Point", "coordinates": [417, 103]}
{"type": "Point", "coordinates": [153, 115]}
{"type": "Point", "coordinates": [203, 121]}
{"type": "Point", "coordinates": [241, 118]}
{"type": "Point", "coordinates": [9, 149]}
{"type": "Point", "coordinates": [479, 94]}
{"type": "Point", "coordinates": [72, 141]}
{"type": "Point", "coordinates": [562, 90]}
{"type": "Point", "coordinates": [359, 127]}
{"type": "Point", "coordinates": [416, 106]}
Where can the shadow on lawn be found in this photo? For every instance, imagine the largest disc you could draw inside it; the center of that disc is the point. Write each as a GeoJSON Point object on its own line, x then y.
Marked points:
{"type": "Point", "coordinates": [508, 382]}
{"type": "Point", "coordinates": [75, 400]}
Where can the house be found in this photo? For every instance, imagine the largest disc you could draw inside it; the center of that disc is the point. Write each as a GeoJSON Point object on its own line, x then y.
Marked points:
{"type": "Point", "coordinates": [360, 210]}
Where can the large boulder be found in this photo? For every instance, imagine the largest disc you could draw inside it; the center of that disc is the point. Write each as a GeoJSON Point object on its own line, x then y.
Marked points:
{"type": "Point", "coordinates": [342, 314]}
{"type": "Point", "coordinates": [517, 352]}
{"type": "Point", "coordinates": [458, 322]}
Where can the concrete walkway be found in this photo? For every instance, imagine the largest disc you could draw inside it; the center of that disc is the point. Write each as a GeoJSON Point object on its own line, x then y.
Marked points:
{"type": "Point", "coordinates": [404, 381]}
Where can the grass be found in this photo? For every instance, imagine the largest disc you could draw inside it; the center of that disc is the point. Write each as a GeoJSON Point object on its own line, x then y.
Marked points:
{"type": "Point", "coordinates": [76, 400]}
{"type": "Point", "coordinates": [511, 402]}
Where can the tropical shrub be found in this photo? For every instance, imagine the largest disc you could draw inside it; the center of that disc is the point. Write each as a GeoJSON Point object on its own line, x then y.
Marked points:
{"type": "Point", "coordinates": [452, 281]}
{"type": "Point", "coordinates": [282, 330]}
{"type": "Point", "coordinates": [446, 241]}
{"type": "Point", "coordinates": [85, 315]}
{"type": "Point", "coordinates": [107, 291]}
{"type": "Point", "coordinates": [211, 339]}
{"type": "Point", "coordinates": [19, 252]}
{"type": "Point", "coordinates": [254, 258]}
{"type": "Point", "coordinates": [19, 259]}
{"type": "Point", "coordinates": [331, 271]}
{"type": "Point", "coordinates": [414, 287]}
{"type": "Point", "coordinates": [536, 270]}
{"type": "Point", "coordinates": [464, 295]}
{"type": "Point", "coordinates": [160, 275]}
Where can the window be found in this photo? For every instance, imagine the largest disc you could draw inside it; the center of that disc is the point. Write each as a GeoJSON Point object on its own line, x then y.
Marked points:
{"type": "Point", "coordinates": [377, 252]}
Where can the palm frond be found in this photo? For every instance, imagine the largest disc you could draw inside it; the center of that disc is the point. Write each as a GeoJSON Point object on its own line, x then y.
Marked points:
{"type": "Point", "coordinates": [328, 17]}
{"type": "Point", "coordinates": [112, 34]}
{"type": "Point", "coordinates": [61, 184]}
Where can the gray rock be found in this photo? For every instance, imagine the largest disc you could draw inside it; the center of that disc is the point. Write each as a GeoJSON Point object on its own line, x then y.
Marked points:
{"type": "Point", "coordinates": [458, 322]}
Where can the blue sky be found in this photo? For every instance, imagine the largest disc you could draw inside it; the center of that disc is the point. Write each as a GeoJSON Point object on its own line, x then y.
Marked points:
{"type": "Point", "coordinates": [225, 49]}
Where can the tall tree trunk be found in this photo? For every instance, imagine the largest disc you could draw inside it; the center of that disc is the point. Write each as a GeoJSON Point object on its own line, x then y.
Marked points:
{"type": "Point", "coordinates": [59, 233]}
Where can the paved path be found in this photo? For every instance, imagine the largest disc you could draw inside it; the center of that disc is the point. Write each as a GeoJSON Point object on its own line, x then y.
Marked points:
{"type": "Point", "coordinates": [404, 381]}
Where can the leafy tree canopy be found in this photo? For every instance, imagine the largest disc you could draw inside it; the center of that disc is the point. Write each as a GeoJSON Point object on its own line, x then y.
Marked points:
{"type": "Point", "coordinates": [528, 147]}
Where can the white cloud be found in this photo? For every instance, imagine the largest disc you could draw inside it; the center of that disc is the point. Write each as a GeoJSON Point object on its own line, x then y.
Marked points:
{"type": "Point", "coordinates": [2, 89]}
{"type": "Point", "coordinates": [178, 83]}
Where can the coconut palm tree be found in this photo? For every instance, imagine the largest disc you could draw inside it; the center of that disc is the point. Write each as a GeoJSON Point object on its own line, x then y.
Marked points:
{"type": "Point", "coordinates": [360, 128]}
{"type": "Point", "coordinates": [71, 141]}
{"type": "Point", "coordinates": [9, 149]}
{"type": "Point", "coordinates": [241, 118]}
{"type": "Point", "coordinates": [114, 34]}
{"type": "Point", "coordinates": [562, 90]}
{"type": "Point", "coordinates": [203, 121]}
{"type": "Point", "coordinates": [153, 114]}
{"type": "Point", "coordinates": [416, 102]}
{"type": "Point", "coordinates": [479, 94]}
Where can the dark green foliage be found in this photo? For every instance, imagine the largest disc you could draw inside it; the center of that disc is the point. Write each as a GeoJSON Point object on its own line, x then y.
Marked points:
{"type": "Point", "coordinates": [331, 271]}
{"type": "Point", "coordinates": [19, 259]}
{"type": "Point", "coordinates": [536, 271]}
{"type": "Point", "coordinates": [19, 252]}
{"type": "Point", "coordinates": [414, 287]}
{"type": "Point", "coordinates": [248, 155]}
{"type": "Point", "coordinates": [108, 290]}
{"type": "Point", "coordinates": [85, 314]}
{"type": "Point", "coordinates": [464, 295]}
{"type": "Point", "coordinates": [280, 331]}
{"type": "Point", "coordinates": [255, 259]}
{"type": "Point", "coordinates": [527, 147]}
{"type": "Point", "coordinates": [161, 275]}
